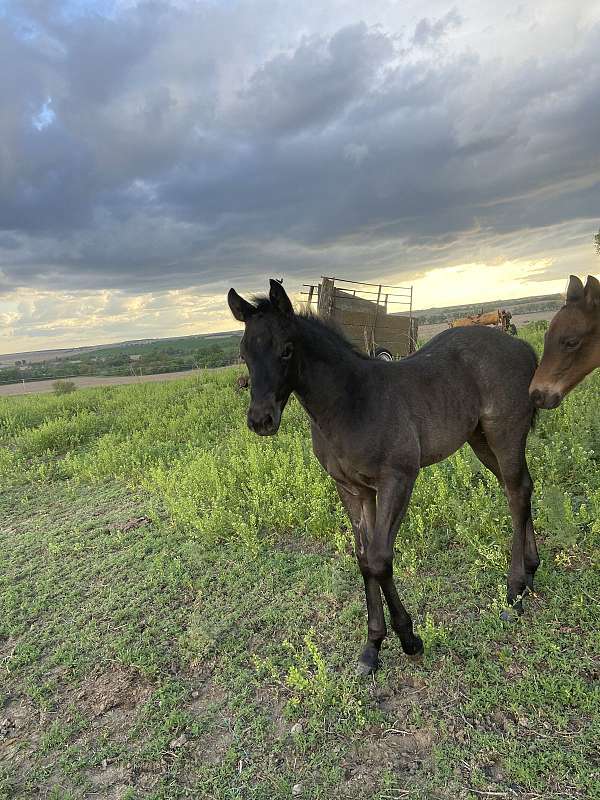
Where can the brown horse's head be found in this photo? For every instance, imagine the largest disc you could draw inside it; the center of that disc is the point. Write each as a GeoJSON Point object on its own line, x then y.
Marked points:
{"type": "Point", "coordinates": [572, 345]}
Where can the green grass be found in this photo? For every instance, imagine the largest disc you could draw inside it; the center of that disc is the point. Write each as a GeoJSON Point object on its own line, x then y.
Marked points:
{"type": "Point", "coordinates": [180, 612]}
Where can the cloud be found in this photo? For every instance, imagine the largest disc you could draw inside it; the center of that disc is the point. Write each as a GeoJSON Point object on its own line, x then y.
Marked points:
{"type": "Point", "coordinates": [428, 32]}
{"type": "Point", "coordinates": [156, 146]}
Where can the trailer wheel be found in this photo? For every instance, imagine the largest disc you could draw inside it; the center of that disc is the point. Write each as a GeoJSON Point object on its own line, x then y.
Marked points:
{"type": "Point", "coordinates": [383, 355]}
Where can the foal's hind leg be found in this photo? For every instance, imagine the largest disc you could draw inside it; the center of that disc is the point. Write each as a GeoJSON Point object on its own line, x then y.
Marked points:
{"type": "Point", "coordinates": [486, 455]}
{"type": "Point", "coordinates": [361, 510]}
{"type": "Point", "coordinates": [508, 445]}
{"type": "Point", "coordinates": [392, 501]}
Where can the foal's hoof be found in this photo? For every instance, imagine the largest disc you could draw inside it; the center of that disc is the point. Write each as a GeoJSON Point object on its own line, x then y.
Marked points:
{"type": "Point", "coordinates": [414, 648]}
{"type": "Point", "coordinates": [368, 663]}
{"type": "Point", "coordinates": [512, 613]}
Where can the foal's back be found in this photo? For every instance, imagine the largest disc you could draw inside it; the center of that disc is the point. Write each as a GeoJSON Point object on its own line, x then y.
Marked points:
{"type": "Point", "coordinates": [464, 378]}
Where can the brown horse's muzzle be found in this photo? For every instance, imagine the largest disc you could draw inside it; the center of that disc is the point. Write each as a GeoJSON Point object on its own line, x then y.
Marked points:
{"type": "Point", "coordinates": [544, 398]}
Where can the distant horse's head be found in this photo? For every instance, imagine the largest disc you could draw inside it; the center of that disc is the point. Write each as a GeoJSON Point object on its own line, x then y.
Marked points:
{"type": "Point", "coordinates": [572, 345]}
{"type": "Point", "coordinates": [267, 347]}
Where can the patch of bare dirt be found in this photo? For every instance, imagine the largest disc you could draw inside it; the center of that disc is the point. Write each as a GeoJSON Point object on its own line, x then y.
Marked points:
{"type": "Point", "coordinates": [405, 753]}
{"type": "Point", "coordinates": [118, 689]}
{"type": "Point", "coordinates": [131, 524]}
{"type": "Point", "coordinates": [19, 735]}
{"type": "Point", "coordinates": [7, 646]}
{"type": "Point", "coordinates": [109, 782]}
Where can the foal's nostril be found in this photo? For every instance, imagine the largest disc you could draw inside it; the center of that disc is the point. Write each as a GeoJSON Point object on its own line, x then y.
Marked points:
{"type": "Point", "coordinates": [263, 424]}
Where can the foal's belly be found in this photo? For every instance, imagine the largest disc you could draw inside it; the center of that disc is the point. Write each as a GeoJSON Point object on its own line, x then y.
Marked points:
{"type": "Point", "coordinates": [440, 441]}
{"type": "Point", "coordinates": [349, 477]}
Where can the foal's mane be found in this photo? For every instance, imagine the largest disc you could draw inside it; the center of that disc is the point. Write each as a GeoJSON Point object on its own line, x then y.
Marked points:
{"type": "Point", "coordinates": [317, 333]}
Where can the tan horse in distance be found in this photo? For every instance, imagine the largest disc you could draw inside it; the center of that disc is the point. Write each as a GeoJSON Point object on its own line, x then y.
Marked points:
{"type": "Point", "coordinates": [572, 344]}
{"type": "Point", "coordinates": [489, 318]}
{"type": "Point", "coordinates": [500, 318]}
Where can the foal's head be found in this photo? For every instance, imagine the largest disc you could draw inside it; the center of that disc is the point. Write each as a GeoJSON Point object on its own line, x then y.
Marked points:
{"type": "Point", "coordinates": [572, 344]}
{"type": "Point", "coordinates": [267, 347]}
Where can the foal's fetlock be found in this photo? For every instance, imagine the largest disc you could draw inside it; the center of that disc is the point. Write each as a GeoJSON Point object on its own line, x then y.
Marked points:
{"type": "Point", "coordinates": [411, 643]}
{"type": "Point", "coordinates": [514, 599]}
{"type": "Point", "coordinates": [368, 663]}
{"type": "Point", "coordinates": [529, 577]}
{"type": "Point", "coordinates": [414, 647]}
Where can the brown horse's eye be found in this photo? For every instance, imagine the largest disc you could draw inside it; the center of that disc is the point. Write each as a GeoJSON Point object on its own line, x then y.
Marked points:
{"type": "Point", "coordinates": [571, 343]}
{"type": "Point", "coordinates": [287, 352]}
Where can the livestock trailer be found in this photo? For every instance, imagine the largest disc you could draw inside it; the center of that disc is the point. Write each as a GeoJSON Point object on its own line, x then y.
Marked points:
{"type": "Point", "coordinates": [375, 318]}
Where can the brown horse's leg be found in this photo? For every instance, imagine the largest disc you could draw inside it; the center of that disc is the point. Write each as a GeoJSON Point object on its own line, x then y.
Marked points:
{"type": "Point", "coordinates": [392, 501]}
{"type": "Point", "coordinates": [532, 558]}
{"type": "Point", "coordinates": [486, 455]}
{"type": "Point", "coordinates": [361, 510]}
{"type": "Point", "coordinates": [509, 450]}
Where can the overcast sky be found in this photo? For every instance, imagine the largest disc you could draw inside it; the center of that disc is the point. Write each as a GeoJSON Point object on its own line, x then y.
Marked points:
{"type": "Point", "coordinates": [152, 154]}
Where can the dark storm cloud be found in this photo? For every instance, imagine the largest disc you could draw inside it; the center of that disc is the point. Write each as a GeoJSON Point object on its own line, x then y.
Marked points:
{"type": "Point", "coordinates": [180, 146]}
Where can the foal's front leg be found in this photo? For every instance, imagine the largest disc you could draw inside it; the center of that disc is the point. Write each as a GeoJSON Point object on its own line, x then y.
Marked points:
{"type": "Point", "coordinates": [393, 497]}
{"type": "Point", "coordinates": [361, 510]}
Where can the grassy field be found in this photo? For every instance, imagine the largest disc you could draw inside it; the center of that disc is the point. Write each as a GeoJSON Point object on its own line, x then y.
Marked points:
{"type": "Point", "coordinates": [180, 612]}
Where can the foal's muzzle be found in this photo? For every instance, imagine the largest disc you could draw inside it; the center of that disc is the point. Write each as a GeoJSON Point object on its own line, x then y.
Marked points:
{"type": "Point", "coordinates": [264, 422]}
{"type": "Point", "coordinates": [543, 398]}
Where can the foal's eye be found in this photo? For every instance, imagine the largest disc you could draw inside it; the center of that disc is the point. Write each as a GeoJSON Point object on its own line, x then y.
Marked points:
{"type": "Point", "coordinates": [571, 343]}
{"type": "Point", "coordinates": [286, 353]}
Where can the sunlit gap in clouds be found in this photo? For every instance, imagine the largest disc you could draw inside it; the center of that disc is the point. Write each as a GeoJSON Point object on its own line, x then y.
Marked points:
{"type": "Point", "coordinates": [33, 320]}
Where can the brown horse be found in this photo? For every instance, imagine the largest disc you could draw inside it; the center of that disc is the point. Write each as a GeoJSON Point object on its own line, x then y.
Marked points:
{"type": "Point", "coordinates": [572, 345]}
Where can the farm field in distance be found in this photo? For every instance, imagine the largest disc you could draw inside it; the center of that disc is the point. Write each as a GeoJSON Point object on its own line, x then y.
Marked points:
{"type": "Point", "coordinates": [181, 611]}
{"type": "Point", "coordinates": [126, 360]}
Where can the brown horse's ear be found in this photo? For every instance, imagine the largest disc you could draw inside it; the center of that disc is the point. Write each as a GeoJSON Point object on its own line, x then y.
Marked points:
{"type": "Point", "coordinates": [279, 299]}
{"type": "Point", "coordinates": [592, 291]}
{"type": "Point", "coordinates": [241, 309]}
{"type": "Point", "coordinates": [575, 292]}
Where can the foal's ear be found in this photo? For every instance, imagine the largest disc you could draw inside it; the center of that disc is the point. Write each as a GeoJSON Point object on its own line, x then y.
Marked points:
{"type": "Point", "coordinates": [279, 299]}
{"type": "Point", "coordinates": [241, 309]}
{"type": "Point", "coordinates": [592, 291]}
{"type": "Point", "coordinates": [575, 291]}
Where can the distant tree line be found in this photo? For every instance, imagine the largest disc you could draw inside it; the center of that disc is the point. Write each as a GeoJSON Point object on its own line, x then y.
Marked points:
{"type": "Point", "coordinates": [176, 355]}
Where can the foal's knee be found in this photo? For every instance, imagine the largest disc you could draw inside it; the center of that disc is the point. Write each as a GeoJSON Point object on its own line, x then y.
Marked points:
{"type": "Point", "coordinates": [380, 565]}
{"type": "Point", "coordinates": [520, 490]}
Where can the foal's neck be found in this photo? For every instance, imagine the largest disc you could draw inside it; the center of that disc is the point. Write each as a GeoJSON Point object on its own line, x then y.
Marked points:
{"type": "Point", "coordinates": [329, 372]}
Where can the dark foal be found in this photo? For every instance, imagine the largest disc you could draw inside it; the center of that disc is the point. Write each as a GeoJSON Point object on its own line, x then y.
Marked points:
{"type": "Point", "coordinates": [375, 424]}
